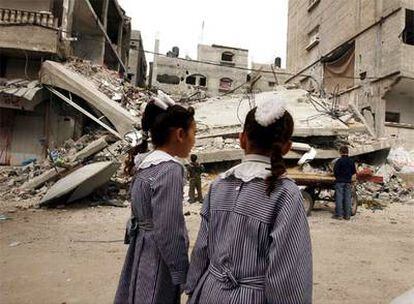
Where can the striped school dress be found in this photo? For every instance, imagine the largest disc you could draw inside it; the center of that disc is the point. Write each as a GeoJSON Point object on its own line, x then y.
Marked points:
{"type": "Point", "coordinates": [157, 258]}
{"type": "Point", "coordinates": [251, 248]}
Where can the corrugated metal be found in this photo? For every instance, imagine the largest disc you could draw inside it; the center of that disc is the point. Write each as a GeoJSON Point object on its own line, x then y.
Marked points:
{"type": "Point", "coordinates": [21, 94]}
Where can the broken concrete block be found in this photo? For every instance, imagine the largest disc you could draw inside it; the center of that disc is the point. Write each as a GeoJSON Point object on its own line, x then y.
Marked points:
{"type": "Point", "coordinates": [91, 149]}
{"type": "Point", "coordinates": [218, 143]}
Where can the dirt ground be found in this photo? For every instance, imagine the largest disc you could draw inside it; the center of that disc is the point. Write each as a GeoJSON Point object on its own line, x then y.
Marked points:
{"type": "Point", "coordinates": [75, 255]}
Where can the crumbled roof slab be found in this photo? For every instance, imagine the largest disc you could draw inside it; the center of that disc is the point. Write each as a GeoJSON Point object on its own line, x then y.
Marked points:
{"type": "Point", "coordinates": [224, 115]}
{"type": "Point", "coordinates": [57, 75]}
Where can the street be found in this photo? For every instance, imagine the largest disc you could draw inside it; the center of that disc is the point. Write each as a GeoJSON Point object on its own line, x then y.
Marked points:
{"type": "Point", "coordinates": [75, 255]}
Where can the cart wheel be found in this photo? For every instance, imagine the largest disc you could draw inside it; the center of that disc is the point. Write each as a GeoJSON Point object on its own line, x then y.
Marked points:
{"type": "Point", "coordinates": [354, 201]}
{"type": "Point", "coordinates": [307, 202]}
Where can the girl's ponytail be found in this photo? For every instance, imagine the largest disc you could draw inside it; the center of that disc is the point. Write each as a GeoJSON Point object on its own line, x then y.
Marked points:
{"type": "Point", "coordinates": [277, 168]}
{"type": "Point", "coordinates": [270, 139]}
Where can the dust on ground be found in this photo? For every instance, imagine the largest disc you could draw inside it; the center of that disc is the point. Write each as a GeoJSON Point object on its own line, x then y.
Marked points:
{"type": "Point", "coordinates": [75, 255]}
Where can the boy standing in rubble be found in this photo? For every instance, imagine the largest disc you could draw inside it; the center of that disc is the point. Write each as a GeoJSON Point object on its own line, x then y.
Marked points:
{"type": "Point", "coordinates": [344, 169]}
{"type": "Point", "coordinates": [194, 170]}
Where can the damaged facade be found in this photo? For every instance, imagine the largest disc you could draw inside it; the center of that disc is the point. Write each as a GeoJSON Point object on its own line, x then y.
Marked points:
{"type": "Point", "coordinates": [217, 70]}
{"type": "Point", "coordinates": [137, 64]}
{"type": "Point", "coordinates": [366, 58]}
{"type": "Point", "coordinates": [266, 77]}
{"type": "Point", "coordinates": [31, 32]}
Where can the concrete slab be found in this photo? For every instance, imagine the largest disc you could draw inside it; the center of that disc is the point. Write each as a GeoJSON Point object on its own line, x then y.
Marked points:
{"type": "Point", "coordinates": [215, 156]}
{"type": "Point", "coordinates": [80, 183]}
{"type": "Point", "coordinates": [57, 75]}
{"type": "Point", "coordinates": [225, 114]}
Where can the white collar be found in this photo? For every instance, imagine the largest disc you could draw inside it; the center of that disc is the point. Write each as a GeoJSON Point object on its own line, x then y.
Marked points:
{"type": "Point", "coordinates": [153, 158]}
{"type": "Point", "coordinates": [253, 166]}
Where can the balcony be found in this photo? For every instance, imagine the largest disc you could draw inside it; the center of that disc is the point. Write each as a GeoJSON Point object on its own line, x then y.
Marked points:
{"type": "Point", "coordinates": [28, 31]}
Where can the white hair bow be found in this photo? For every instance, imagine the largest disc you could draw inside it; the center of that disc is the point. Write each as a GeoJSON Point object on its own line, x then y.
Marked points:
{"type": "Point", "coordinates": [163, 101]}
{"type": "Point", "coordinates": [270, 110]}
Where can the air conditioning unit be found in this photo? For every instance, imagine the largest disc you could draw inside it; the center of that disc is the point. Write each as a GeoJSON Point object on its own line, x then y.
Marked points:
{"type": "Point", "coordinates": [314, 40]}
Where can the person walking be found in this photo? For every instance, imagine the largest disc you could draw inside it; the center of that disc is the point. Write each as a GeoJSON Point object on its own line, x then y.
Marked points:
{"type": "Point", "coordinates": [254, 245]}
{"type": "Point", "coordinates": [344, 169]}
{"type": "Point", "coordinates": [194, 170]}
{"type": "Point", "coordinates": [156, 262]}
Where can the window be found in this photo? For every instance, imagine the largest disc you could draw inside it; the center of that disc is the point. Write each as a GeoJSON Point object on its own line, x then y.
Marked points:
{"type": "Point", "coordinates": [168, 79]}
{"type": "Point", "coordinates": [225, 84]}
{"type": "Point", "coordinates": [190, 80]}
{"type": "Point", "coordinates": [227, 56]}
{"type": "Point", "coordinates": [196, 79]}
{"type": "Point", "coordinates": [202, 81]}
{"type": "Point", "coordinates": [312, 4]}
{"type": "Point", "coordinates": [272, 83]}
{"type": "Point", "coordinates": [313, 38]}
{"type": "Point", "coordinates": [392, 117]}
{"type": "Point", "coordinates": [408, 33]}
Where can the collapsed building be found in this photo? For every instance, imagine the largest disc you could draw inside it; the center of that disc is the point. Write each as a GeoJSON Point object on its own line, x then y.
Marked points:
{"type": "Point", "coordinates": [318, 125]}
{"type": "Point", "coordinates": [358, 52]}
{"type": "Point", "coordinates": [37, 35]}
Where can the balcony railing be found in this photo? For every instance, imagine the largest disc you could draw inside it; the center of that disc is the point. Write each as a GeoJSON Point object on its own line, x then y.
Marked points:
{"type": "Point", "coordinates": [21, 17]}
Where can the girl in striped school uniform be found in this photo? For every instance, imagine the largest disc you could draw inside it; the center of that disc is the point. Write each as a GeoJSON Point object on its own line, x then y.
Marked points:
{"type": "Point", "coordinates": [156, 263]}
{"type": "Point", "coordinates": [253, 245]}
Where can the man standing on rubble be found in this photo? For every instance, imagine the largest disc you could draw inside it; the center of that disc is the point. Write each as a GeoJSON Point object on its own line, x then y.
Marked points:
{"type": "Point", "coordinates": [194, 170]}
{"type": "Point", "coordinates": [344, 169]}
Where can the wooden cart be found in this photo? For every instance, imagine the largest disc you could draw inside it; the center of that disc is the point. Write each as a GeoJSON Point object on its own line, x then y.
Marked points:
{"type": "Point", "coordinates": [312, 185]}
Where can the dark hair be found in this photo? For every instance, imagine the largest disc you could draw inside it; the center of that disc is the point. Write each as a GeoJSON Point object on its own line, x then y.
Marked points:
{"type": "Point", "coordinates": [158, 123]}
{"type": "Point", "coordinates": [270, 139]}
{"type": "Point", "coordinates": [343, 150]}
{"type": "Point", "coordinates": [193, 157]}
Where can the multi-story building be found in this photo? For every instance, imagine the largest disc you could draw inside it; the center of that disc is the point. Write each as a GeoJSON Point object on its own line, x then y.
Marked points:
{"type": "Point", "coordinates": [218, 69]}
{"type": "Point", "coordinates": [266, 77]}
{"type": "Point", "coordinates": [361, 51]}
{"type": "Point", "coordinates": [32, 32]}
{"type": "Point", "coordinates": [137, 64]}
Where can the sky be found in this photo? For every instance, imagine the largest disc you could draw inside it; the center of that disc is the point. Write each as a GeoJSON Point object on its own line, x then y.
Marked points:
{"type": "Point", "coordinates": [259, 26]}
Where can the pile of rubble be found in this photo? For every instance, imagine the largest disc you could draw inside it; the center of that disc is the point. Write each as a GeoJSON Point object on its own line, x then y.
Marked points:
{"type": "Point", "coordinates": [116, 88]}
{"type": "Point", "coordinates": [216, 143]}
{"type": "Point", "coordinates": [26, 185]}
{"type": "Point", "coordinates": [396, 180]}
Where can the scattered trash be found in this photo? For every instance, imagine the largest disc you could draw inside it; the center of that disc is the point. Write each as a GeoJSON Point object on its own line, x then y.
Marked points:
{"type": "Point", "coordinates": [15, 244]}
{"type": "Point", "coordinates": [4, 217]}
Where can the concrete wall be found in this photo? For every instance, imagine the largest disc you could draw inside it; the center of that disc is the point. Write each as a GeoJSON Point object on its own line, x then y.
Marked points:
{"type": "Point", "coordinates": [267, 81]}
{"type": "Point", "coordinates": [213, 54]}
{"type": "Point", "coordinates": [19, 68]}
{"type": "Point", "coordinates": [29, 133]}
{"type": "Point", "coordinates": [405, 134]}
{"type": "Point", "coordinates": [379, 51]}
{"type": "Point", "coordinates": [137, 64]}
{"type": "Point", "coordinates": [338, 21]}
{"type": "Point", "coordinates": [29, 5]}
{"type": "Point", "coordinates": [403, 105]}
{"type": "Point", "coordinates": [90, 42]}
